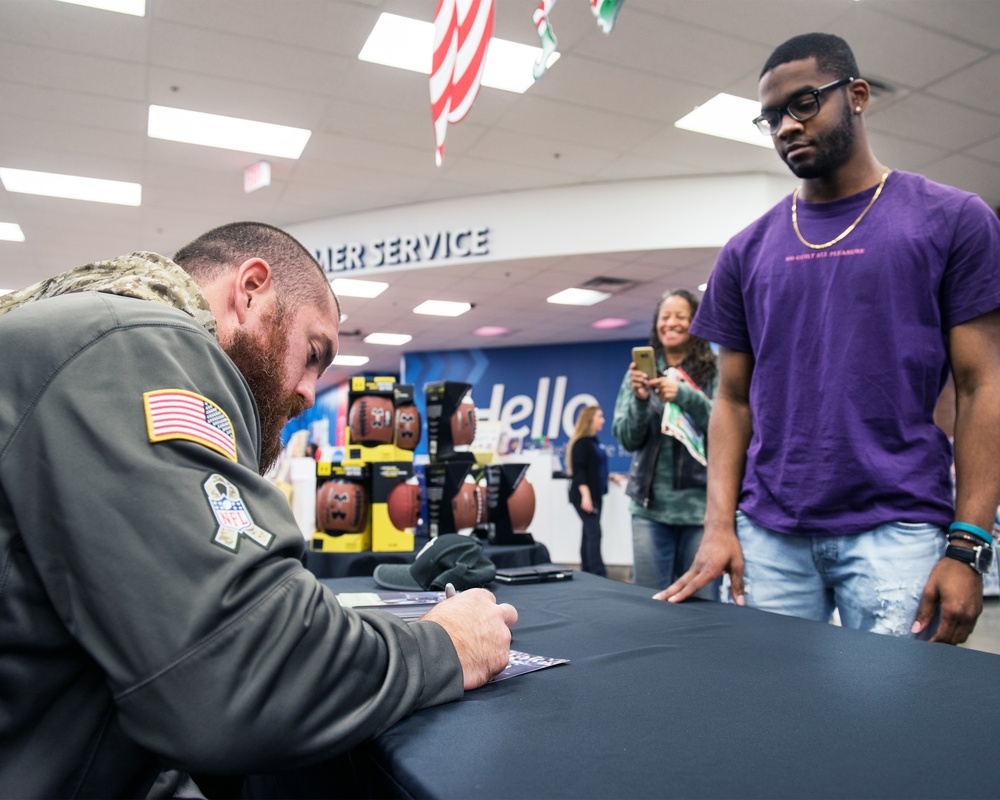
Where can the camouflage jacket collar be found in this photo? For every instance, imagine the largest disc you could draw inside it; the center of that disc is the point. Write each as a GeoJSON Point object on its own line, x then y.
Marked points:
{"type": "Point", "coordinates": [143, 275]}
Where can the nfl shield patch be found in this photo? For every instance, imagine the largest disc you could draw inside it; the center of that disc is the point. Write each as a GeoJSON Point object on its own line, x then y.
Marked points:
{"type": "Point", "coordinates": [232, 516]}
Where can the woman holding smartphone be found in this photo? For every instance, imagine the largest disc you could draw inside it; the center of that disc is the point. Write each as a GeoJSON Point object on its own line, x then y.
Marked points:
{"type": "Point", "coordinates": [587, 465]}
{"type": "Point", "coordinates": [666, 481]}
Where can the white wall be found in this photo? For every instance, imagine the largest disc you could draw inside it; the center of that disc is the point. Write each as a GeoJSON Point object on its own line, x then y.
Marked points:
{"type": "Point", "coordinates": [655, 214]}
{"type": "Point", "coordinates": [556, 524]}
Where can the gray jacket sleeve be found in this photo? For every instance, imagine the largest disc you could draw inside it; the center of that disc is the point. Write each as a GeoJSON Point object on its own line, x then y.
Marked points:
{"type": "Point", "coordinates": [222, 657]}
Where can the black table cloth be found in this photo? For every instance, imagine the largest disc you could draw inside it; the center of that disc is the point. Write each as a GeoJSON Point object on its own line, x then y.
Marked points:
{"type": "Point", "coordinates": [694, 700]}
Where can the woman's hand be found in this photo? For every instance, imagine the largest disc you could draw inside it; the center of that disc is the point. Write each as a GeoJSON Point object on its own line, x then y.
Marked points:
{"type": "Point", "coordinates": [639, 381]}
{"type": "Point", "coordinates": [666, 388]}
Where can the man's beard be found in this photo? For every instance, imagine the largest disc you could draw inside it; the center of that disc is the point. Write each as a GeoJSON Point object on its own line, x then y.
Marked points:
{"type": "Point", "coordinates": [832, 151]}
{"type": "Point", "coordinates": [262, 362]}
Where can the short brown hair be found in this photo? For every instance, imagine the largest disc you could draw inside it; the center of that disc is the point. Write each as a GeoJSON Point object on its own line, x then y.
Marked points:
{"type": "Point", "coordinates": [298, 277]}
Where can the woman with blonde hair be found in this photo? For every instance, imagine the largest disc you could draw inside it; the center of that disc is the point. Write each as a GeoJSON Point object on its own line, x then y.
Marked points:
{"type": "Point", "coordinates": [587, 465]}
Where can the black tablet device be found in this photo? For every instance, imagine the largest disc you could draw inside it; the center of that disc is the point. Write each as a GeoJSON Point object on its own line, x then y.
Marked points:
{"type": "Point", "coordinates": [533, 574]}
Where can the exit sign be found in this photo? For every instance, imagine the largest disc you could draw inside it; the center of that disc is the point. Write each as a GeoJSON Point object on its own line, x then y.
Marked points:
{"type": "Point", "coordinates": [257, 176]}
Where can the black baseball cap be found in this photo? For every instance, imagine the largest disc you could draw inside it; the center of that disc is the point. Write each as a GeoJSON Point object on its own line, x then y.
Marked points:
{"type": "Point", "coordinates": [449, 558]}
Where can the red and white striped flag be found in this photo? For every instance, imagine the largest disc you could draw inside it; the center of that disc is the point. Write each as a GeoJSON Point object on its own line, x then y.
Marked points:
{"type": "Point", "coordinates": [179, 414]}
{"type": "Point", "coordinates": [462, 31]}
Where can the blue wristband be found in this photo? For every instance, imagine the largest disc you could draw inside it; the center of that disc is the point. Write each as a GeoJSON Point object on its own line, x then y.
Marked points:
{"type": "Point", "coordinates": [973, 529]}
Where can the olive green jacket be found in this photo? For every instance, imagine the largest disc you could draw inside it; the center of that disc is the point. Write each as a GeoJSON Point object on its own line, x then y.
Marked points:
{"type": "Point", "coordinates": [154, 611]}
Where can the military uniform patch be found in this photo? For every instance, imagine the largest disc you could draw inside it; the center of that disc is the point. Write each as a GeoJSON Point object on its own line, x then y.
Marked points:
{"type": "Point", "coordinates": [179, 414]}
{"type": "Point", "coordinates": [232, 515]}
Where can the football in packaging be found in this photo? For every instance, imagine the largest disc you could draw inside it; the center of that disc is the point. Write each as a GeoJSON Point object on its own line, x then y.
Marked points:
{"type": "Point", "coordinates": [468, 506]}
{"type": "Point", "coordinates": [521, 505]}
{"type": "Point", "coordinates": [463, 423]}
{"type": "Point", "coordinates": [371, 420]}
{"type": "Point", "coordinates": [404, 505]}
{"type": "Point", "coordinates": [408, 427]}
{"type": "Point", "coordinates": [341, 506]}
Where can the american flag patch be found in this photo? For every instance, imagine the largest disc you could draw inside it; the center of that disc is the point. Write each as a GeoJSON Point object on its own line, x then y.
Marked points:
{"type": "Point", "coordinates": [177, 414]}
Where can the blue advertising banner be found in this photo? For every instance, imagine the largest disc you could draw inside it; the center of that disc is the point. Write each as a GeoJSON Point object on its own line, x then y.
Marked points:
{"type": "Point", "coordinates": [536, 392]}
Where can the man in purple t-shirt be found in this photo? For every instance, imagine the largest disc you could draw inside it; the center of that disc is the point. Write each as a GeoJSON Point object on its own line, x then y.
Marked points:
{"type": "Point", "coordinates": [839, 314]}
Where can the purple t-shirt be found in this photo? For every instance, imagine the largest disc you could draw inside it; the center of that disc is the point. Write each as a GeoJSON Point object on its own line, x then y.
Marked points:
{"type": "Point", "coordinates": [850, 349]}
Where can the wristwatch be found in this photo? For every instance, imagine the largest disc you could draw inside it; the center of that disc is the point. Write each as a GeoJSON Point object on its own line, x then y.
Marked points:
{"type": "Point", "coordinates": [979, 557]}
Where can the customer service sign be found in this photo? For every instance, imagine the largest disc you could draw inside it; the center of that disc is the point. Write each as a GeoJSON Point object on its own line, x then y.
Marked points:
{"type": "Point", "coordinates": [405, 250]}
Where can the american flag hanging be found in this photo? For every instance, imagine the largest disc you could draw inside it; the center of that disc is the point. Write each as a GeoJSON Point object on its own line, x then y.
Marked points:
{"type": "Point", "coordinates": [462, 31]}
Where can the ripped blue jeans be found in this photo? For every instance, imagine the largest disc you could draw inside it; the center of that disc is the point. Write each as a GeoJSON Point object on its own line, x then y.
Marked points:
{"type": "Point", "coordinates": [873, 579]}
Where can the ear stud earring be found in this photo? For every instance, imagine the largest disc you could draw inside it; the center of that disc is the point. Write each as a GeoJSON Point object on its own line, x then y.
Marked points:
{"type": "Point", "coordinates": [857, 109]}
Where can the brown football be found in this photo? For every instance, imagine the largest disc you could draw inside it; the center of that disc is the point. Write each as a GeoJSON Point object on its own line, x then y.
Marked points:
{"type": "Point", "coordinates": [341, 507]}
{"type": "Point", "coordinates": [407, 427]}
{"type": "Point", "coordinates": [468, 506]}
{"type": "Point", "coordinates": [521, 505]}
{"type": "Point", "coordinates": [404, 505]}
{"type": "Point", "coordinates": [463, 423]}
{"type": "Point", "coordinates": [371, 420]}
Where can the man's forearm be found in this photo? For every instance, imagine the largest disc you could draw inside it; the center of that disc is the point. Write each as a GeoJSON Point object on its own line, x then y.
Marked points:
{"type": "Point", "coordinates": [977, 466]}
{"type": "Point", "coordinates": [974, 350]}
{"type": "Point", "coordinates": [729, 431]}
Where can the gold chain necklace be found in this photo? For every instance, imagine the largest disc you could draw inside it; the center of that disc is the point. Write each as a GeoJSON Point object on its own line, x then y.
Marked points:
{"type": "Point", "coordinates": [851, 227]}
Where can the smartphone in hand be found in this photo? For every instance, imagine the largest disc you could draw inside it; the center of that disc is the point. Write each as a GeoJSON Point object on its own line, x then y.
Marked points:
{"type": "Point", "coordinates": [645, 360]}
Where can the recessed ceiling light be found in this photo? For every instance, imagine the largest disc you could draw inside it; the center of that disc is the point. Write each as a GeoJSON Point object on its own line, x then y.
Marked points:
{"type": "Point", "coordinates": [509, 65]}
{"type": "Point", "coordinates": [395, 339]}
{"type": "Point", "coordinates": [350, 361]}
{"type": "Point", "coordinates": [407, 43]}
{"type": "Point", "coordinates": [11, 232]}
{"type": "Point", "coordinates": [491, 330]}
{"type": "Point", "coordinates": [728, 117]}
{"type": "Point", "coordinates": [229, 133]}
{"type": "Point", "coordinates": [71, 187]}
{"type": "Point", "coordinates": [610, 322]}
{"type": "Point", "coordinates": [578, 297]}
{"type": "Point", "coordinates": [137, 8]}
{"type": "Point", "coordinates": [350, 287]}
{"type": "Point", "coordinates": [442, 308]}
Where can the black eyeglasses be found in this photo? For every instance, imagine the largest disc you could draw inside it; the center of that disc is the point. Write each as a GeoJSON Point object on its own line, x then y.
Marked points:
{"type": "Point", "coordinates": [802, 106]}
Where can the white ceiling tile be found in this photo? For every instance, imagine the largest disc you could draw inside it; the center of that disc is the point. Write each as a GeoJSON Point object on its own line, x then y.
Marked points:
{"type": "Point", "coordinates": [933, 121]}
{"type": "Point", "coordinates": [988, 150]}
{"type": "Point", "coordinates": [903, 53]}
{"type": "Point", "coordinates": [976, 21]}
{"type": "Point", "coordinates": [975, 176]}
{"type": "Point", "coordinates": [975, 86]}
{"type": "Point", "coordinates": [77, 82]}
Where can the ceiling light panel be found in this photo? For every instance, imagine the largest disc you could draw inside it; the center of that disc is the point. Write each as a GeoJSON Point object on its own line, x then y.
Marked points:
{"type": "Point", "coordinates": [728, 117]}
{"type": "Point", "coordinates": [610, 323]}
{"type": "Point", "coordinates": [228, 133]}
{"type": "Point", "coordinates": [393, 339]}
{"type": "Point", "coordinates": [350, 361]}
{"type": "Point", "coordinates": [350, 287]}
{"type": "Point", "coordinates": [71, 187]}
{"type": "Point", "coordinates": [578, 297]}
{"type": "Point", "coordinates": [407, 43]}
{"type": "Point", "coordinates": [11, 232]}
{"type": "Point", "coordinates": [137, 8]}
{"type": "Point", "coordinates": [442, 308]}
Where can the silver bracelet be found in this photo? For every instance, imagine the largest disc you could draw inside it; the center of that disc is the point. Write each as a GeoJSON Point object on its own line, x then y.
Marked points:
{"type": "Point", "coordinates": [975, 540]}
